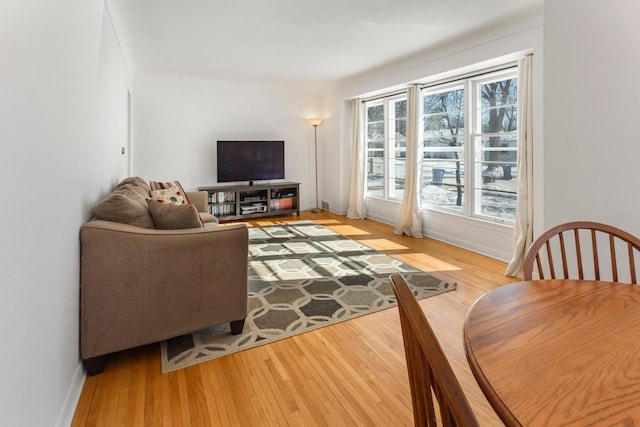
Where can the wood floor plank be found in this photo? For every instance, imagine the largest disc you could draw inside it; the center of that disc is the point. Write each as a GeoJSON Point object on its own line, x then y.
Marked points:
{"type": "Point", "coordinates": [350, 373]}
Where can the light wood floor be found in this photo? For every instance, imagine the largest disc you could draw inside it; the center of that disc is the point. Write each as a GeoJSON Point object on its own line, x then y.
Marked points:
{"type": "Point", "coordinates": [349, 374]}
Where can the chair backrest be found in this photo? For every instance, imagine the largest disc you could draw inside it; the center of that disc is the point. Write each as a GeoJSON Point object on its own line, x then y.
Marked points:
{"type": "Point", "coordinates": [584, 250]}
{"type": "Point", "coordinates": [430, 373]}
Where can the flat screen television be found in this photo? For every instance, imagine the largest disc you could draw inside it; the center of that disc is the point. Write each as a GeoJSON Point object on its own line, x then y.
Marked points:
{"type": "Point", "coordinates": [250, 161]}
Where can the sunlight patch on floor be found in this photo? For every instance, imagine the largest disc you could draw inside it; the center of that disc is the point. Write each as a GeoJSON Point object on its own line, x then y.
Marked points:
{"type": "Point", "coordinates": [348, 230]}
{"type": "Point", "coordinates": [284, 269]}
{"type": "Point", "coordinates": [383, 244]}
{"type": "Point", "coordinates": [426, 262]}
{"type": "Point", "coordinates": [326, 221]}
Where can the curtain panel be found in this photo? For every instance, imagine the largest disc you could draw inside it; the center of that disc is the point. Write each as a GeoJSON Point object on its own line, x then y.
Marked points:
{"type": "Point", "coordinates": [356, 209]}
{"type": "Point", "coordinates": [410, 217]}
{"type": "Point", "coordinates": [523, 230]}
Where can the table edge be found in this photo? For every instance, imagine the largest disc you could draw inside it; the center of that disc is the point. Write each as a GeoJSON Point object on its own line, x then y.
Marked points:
{"type": "Point", "coordinates": [503, 412]}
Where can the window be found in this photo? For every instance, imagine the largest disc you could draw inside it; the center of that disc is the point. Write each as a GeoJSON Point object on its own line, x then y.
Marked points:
{"type": "Point", "coordinates": [469, 158]}
{"type": "Point", "coordinates": [471, 126]}
{"type": "Point", "coordinates": [386, 147]}
{"type": "Point", "coordinates": [496, 147]}
{"type": "Point", "coordinates": [444, 137]}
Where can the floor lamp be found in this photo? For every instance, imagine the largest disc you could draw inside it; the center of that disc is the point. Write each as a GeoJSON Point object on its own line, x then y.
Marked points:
{"type": "Point", "coordinates": [315, 123]}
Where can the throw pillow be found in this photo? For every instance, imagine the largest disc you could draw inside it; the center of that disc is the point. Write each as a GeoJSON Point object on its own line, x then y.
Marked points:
{"type": "Point", "coordinates": [134, 180]}
{"type": "Point", "coordinates": [171, 195]}
{"type": "Point", "coordinates": [157, 185]}
{"type": "Point", "coordinates": [125, 207]}
{"type": "Point", "coordinates": [169, 216]}
{"type": "Point", "coordinates": [140, 191]}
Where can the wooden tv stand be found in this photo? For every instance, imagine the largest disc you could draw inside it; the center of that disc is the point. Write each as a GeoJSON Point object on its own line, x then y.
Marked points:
{"type": "Point", "coordinates": [238, 202]}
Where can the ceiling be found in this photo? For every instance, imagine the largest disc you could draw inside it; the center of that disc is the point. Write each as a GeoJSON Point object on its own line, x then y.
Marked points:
{"type": "Point", "coordinates": [294, 40]}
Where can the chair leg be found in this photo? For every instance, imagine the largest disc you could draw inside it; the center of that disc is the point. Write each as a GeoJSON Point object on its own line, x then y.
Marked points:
{"type": "Point", "coordinates": [95, 365]}
{"type": "Point", "coordinates": [237, 326]}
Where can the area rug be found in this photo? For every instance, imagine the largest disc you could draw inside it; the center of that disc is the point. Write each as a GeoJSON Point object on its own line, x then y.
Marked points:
{"type": "Point", "coordinates": [302, 276]}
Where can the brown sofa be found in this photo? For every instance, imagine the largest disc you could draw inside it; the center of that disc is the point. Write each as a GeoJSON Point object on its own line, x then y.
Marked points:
{"type": "Point", "coordinates": [140, 285]}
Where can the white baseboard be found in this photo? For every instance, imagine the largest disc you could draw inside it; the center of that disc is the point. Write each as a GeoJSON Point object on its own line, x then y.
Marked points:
{"type": "Point", "coordinates": [474, 247]}
{"type": "Point", "coordinates": [73, 396]}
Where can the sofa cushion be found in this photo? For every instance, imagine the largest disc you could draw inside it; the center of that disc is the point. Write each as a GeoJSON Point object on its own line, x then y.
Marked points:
{"type": "Point", "coordinates": [170, 216]}
{"type": "Point", "coordinates": [125, 206]}
{"type": "Point", "coordinates": [134, 189]}
{"type": "Point", "coordinates": [135, 181]}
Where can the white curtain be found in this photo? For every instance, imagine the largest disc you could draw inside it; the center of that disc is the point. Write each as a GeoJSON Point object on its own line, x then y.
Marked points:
{"type": "Point", "coordinates": [356, 208]}
{"type": "Point", "coordinates": [410, 217]}
{"type": "Point", "coordinates": [523, 230]}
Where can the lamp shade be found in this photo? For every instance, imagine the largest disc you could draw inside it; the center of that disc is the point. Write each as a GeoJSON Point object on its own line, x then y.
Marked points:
{"type": "Point", "coordinates": [315, 122]}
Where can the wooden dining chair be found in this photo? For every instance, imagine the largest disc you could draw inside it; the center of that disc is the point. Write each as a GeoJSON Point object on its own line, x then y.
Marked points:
{"type": "Point", "coordinates": [584, 250]}
{"type": "Point", "coordinates": [430, 373]}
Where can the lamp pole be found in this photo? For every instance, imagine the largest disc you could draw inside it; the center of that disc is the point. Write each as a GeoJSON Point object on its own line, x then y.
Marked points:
{"type": "Point", "coordinates": [315, 123]}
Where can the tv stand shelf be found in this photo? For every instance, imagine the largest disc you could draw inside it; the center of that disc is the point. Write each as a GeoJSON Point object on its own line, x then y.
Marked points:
{"type": "Point", "coordinates": [239, 202]}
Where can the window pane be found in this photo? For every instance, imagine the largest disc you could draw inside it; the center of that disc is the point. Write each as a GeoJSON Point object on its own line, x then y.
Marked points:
{"type": "Point", "coordinates": [499, 93]}
{"type": "Point", "coordinates": [444, 101]}
{"type": "Point", "coordinates": [502, 119]}
{"type": "Point", "coordinates": [397, 178]}
{"type": "Point", "coordinates": [375, 113]}
{"type": "Point", "coordinates": [375, 131]}
{"type": "Point", "coordinates": [375, 174]}
{"type": "Point", "coordinates": [497, 177]}
{"type": "Point", "coordinates": [500, 150]}
{"type": "Point", "coordinates": [498, 106]}
{"type": "Point", "coordinates": [498, 205]}
{"type": "Point", "coordinates": [443, 184]}
{"type": "Point", "coordinates": [401, 108]}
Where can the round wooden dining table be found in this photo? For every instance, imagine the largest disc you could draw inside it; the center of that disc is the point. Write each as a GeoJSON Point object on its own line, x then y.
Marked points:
{"type": "Point", "coordinates": [558, 352]}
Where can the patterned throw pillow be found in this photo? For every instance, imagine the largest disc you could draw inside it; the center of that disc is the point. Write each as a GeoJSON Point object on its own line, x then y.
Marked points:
{"type": "Point", "coordinates": [171, 195]}
{"type": "Point", "coordinates": [157, 185]}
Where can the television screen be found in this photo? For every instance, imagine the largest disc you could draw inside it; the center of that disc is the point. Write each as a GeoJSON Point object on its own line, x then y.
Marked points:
{"type": "Point", "coordinates": [250, 160]}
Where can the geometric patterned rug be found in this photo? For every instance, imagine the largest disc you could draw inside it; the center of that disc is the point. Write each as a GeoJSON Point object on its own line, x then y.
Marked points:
{"type": "Point", "coordinates": [302, 276]}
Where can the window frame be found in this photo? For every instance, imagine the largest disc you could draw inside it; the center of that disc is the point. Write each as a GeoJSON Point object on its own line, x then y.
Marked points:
{"type": "Point", "coordinates": [476, 135]}
{"type": "Point", "coordinates": [472, 150]}
{"type": "Point", "coordinates": [389, 191]}
{"type": "Point", "coordinates": [434, 90]}
{"type": "Point", "coordinates": [472, 181]}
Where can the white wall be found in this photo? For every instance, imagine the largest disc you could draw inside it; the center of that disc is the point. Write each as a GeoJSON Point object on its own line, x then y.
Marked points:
{"type": "Point", "coordinates": [591, 112]}
{"type": "Point", "coordinates": [62, 121]}
{"type": "Point", "coordinates": [488, 238]}
{"type": "Point", "coordinates": [177, 121]}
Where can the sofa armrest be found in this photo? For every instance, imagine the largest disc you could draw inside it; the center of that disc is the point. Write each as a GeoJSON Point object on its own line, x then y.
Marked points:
{"type": "Point", "coordinates": [139, 286]}
{"type": "Point", "coordinates": [199, 199]}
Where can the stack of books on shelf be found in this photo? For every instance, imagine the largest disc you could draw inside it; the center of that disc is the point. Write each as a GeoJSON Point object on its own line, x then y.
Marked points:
{"type": "Point", "coordinates": [283, 203]}
{"type": "Point", "coordinates": [223, 197]}
{"type": "Point", "coordinates": [222, 210]}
